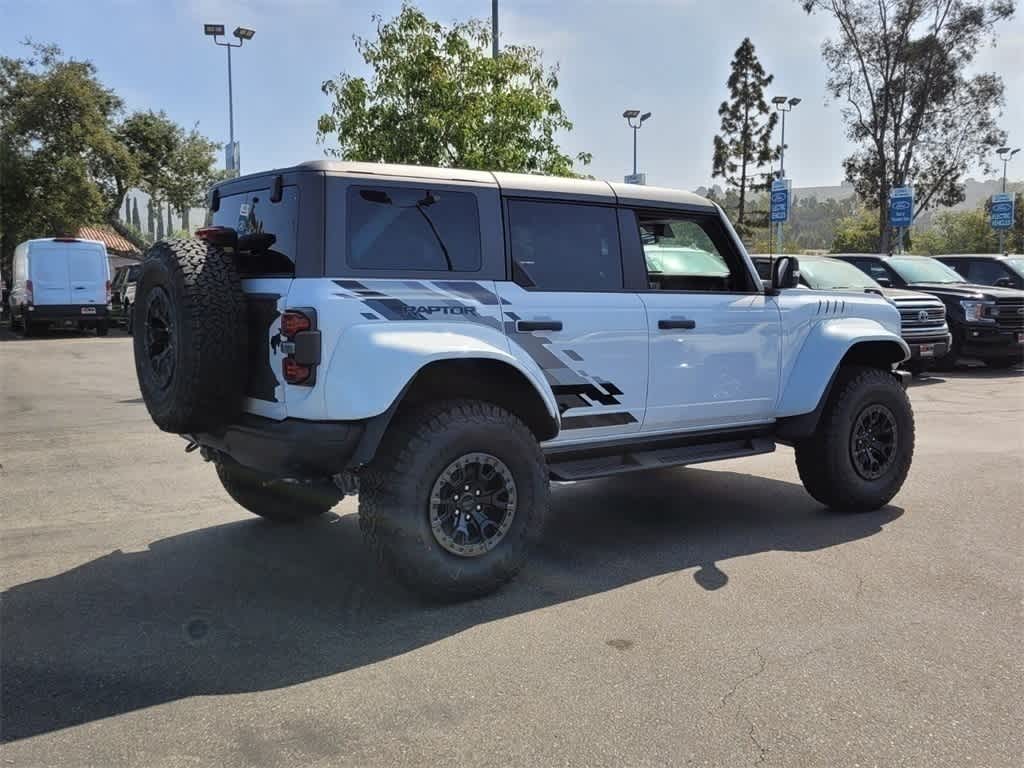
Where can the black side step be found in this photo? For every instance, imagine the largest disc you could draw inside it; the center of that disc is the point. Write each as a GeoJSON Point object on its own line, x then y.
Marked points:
{"type": "Point", "coordinates": [578, 465]}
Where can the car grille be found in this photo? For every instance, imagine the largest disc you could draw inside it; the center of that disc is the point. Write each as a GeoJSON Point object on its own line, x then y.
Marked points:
{"type": "Point", "coordinates": [1009, 314]}
{"type": "Point", "coordinates": [920, 318]}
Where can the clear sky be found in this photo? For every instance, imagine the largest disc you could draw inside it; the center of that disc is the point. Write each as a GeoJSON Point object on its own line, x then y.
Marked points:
{"type": "Point", "coordinates": [667, 56]}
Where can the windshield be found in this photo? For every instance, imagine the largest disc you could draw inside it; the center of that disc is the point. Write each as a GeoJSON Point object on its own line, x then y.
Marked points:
{"type": "Point", "coordinates": [921, 269]}
{"type": "Point", "coordinates": [830, 274]}
{"type": "Point", "coordinates": [1016, 263]}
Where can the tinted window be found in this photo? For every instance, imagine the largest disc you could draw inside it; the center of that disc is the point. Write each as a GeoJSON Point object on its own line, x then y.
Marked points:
{"type": "Point", "coordinates": [564, 247]}
{"type": "Point", "coordinates": [985, 272]}
{"type": "Point", "coordinates": [266, 231]}
{"type": "Point", "coordinates": [875, 269]}
{"type": "Point", "coordinates": [413, 229]}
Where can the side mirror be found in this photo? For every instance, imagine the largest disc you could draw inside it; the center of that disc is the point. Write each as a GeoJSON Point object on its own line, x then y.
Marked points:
{"type": "Point", "coordinates": [885, 282]}
{"type": "Point", "coordinates": [1004, 282]}
{"type": "Point", "coordinates": [786, 273]}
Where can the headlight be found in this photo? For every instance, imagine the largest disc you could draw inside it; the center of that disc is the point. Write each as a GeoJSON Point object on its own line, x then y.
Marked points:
{"type": "Point", "coordinates": [974, 311]}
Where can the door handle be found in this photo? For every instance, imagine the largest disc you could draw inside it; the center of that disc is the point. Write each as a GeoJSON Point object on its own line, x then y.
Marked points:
{"type": "Point", "coordinates": [525, 326]}
{"type": "Point", "coordinates": [685, 325]}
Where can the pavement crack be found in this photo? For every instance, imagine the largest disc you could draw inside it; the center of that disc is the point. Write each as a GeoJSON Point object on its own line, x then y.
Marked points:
{"type": "Point", "coordinates": [762, 751]}
{"type": "Point", "coordinates": [761, 664]}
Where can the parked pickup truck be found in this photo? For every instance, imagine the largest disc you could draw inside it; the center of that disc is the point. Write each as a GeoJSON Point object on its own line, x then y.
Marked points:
{"type": "Point", "coordinates": [986, 322]}
{"type": "Point", "coordinates": [444, 342]}
{"type": "Point", "coordinates": [922, 317]}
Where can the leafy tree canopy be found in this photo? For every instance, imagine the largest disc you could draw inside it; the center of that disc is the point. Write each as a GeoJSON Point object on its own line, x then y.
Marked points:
{"type": "Point", "coordinates": [67, 158]}
{"type": "Point", "coordinates": [436, 97]}
{"type": "Point", "coordinates": [899, 67]}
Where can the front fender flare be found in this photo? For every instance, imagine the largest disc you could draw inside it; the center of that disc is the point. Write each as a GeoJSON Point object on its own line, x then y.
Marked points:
{"type": "Point", "coordinates": [824, 348]}
{"type": "Point", "coordinates": [390, 355]}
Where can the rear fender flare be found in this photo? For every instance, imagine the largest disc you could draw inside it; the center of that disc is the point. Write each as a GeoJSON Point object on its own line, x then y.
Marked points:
{"type": "Point", "coordinates": [390, 355]}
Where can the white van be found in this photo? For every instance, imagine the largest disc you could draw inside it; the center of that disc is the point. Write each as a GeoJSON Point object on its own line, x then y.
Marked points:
{"type": "Point", "coordinates": [60, 281]}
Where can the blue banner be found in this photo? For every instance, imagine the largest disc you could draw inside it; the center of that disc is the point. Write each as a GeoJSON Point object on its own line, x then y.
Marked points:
{"type": "Point", "coordinates": [1001, 211]}
{"type": "Point", "coordinates": [780, 200]}
{"type": "Point", "coordinates": [901, 206]}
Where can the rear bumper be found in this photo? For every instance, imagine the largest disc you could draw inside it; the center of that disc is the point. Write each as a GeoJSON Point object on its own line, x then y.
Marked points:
{"type": "Point", "coordinates": [289, 448]}
{"type": "Point", "coordinates": [986, 342]}
{"type": "Point", "coordinates": [55, 313]}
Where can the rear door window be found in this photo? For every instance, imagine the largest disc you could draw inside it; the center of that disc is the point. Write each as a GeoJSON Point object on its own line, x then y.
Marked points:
{"type": "Point", "coordinates": [412, 229]}
{"type": "Point", "coordinates": [564, 246]}
{"type": "Point", "coordinates": [266, 230]}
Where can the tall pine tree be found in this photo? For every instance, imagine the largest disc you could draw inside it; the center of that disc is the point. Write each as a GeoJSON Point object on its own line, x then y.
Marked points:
{"type": "Point", "coordinates": [745, 143]}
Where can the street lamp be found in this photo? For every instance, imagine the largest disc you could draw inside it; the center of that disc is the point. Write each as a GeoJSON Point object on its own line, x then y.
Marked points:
{"type": "Point", "coordinates": [242, 34]}
{"type": "Point", "coordinates": [1005, 153]}
{"type": "Point", "coordinates": [783, 104]}
{"type": "Point", "coordinates": [631, 115]}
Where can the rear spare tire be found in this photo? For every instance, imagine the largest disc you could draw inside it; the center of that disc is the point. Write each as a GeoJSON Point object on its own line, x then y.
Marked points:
{"type": "Point", "coordinates": [190, 336]}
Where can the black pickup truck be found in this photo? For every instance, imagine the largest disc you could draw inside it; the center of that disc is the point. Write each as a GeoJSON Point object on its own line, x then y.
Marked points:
{"type": "Point", "coordinates": [986, 321]}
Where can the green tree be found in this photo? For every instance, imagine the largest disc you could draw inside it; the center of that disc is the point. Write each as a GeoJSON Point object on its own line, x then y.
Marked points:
{"type": "Point", "coordinates": [191, 171]}
{"type": "Point", "coordinates": [744, 144]}
{"type": "Point", "coordinates": [67, 159]}
{"type": "Point", "coordinates": [857, 233]}
{"type": "Point", "coordinates": [900, 68]}
{"type": "Point", "coordinates": [958, 232]}
{"type": "Point", "coordinates": [59, 157]}
{"type": "Point", "coordinates": [436, 97]}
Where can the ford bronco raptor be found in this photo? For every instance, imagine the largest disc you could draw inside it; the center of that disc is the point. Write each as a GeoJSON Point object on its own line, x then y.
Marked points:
{"type": "Point", "coordinates": [444, 342]}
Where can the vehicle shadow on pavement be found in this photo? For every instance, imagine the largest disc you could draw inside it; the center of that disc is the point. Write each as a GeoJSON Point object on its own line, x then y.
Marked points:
{"type": "Point", "coordinates": [249, 606]}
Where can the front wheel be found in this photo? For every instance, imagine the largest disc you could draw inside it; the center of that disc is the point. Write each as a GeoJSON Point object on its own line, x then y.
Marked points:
{"type": "Point", "coordinates": [276, 501]}
{"type": "Point", "coordinates": [862, 450]}
{"type": "Point", "coordinates": [454, 498]}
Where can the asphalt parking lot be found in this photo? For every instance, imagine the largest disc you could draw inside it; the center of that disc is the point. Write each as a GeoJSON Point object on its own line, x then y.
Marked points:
{"type": "Point", "coordinates": [712, 616]}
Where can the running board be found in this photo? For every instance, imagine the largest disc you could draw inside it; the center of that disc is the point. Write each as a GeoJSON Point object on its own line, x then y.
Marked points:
{"type": "Point", "coordinates": [573, 466]}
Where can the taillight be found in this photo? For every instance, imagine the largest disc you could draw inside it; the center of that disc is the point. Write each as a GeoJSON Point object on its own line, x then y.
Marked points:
{"type": "Point", "coordinates": [295, 373]}
{"type": "Point", "coordinates": [30, 294]}
{"type": "Point", "coordinates": [293, 322]}
{"type": "Point", "coordinates": [300, 342]}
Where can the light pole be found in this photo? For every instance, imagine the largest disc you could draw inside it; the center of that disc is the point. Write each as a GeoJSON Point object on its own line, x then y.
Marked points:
{"type": "Point", "coordinates": [494, 29]}
{"type": "Point", "coordinates": [783, 104]}
{"type": "Point", "coordinates": [242, 34]}
{"type": "Point", "coordinates": [1005, 153]}
{"type": "Point", "coordinates": [631, 115]}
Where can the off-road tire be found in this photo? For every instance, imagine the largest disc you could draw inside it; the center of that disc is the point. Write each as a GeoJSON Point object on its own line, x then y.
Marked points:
{"type": "Point", "coordinates": [825, 461]}
{"type": "Point", "coordinates": [275, 501]}
{"type": "Point", "coordinates": [394, 496]}
{"type": "Point", "coordinates": [207, 328]}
